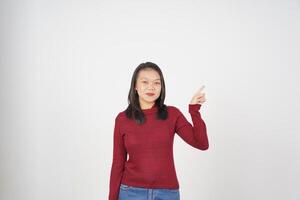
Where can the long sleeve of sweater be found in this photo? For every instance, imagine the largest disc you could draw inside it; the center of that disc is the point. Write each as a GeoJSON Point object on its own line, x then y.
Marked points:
{"type": "Point", "coordinates": [195, 134]}
{"type": "Point", "coordinates": [118, 162]}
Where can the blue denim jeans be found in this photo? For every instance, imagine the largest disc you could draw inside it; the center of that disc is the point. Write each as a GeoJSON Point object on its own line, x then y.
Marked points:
{"type": "Point", "coordinates": [139, 193]}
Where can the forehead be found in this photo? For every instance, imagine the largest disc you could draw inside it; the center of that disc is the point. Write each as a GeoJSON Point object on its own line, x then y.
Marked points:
{"type": "Point", "coordinates": [148, 74]}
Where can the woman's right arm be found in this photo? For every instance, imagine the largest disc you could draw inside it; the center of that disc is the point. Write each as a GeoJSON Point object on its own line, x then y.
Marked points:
{"type": "Point", "coordinates": [118, 161]}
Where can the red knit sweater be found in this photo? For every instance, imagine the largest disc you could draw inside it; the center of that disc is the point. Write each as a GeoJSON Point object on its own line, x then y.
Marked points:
{"type": "Point", "coordinates": [149, 148]}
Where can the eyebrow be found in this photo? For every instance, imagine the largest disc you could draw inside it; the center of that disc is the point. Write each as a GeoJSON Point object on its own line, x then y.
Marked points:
{"type": "Point", "coordinates": [148, 79]}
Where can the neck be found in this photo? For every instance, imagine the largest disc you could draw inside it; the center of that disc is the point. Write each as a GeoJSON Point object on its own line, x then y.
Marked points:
{"type": "Point", "coordinates": [146, 106]}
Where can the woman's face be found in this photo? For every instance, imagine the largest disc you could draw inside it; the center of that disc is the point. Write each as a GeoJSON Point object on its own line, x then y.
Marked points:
{"type": "Point", "coordinates": [148, 86]}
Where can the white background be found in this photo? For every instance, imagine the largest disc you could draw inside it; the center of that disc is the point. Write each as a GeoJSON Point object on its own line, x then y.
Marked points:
{"type": "Point", "coordinates": [66, 68]}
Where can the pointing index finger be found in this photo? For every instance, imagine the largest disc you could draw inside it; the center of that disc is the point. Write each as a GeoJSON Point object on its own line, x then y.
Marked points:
{"type": "Point", "coordinates": [201, 88]}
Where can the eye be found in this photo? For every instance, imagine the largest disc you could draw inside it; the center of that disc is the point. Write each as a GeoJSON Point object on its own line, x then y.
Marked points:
{"type": "Point", "coordinates": [157, 83]}
{"type": "Point", "coordinates": [144, 82]}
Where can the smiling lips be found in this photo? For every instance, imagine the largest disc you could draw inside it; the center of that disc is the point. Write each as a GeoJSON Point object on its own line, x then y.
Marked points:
{"type": "Point", "coordinates": [150, 94]}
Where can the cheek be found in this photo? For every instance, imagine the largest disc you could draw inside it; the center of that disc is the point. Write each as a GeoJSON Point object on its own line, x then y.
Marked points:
{"type": "Point", "coordinates": [141, 88]}
{"type": "Point", "coordinates": [158, 91]}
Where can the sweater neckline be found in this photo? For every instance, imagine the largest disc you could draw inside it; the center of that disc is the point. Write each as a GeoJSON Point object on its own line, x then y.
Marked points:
{"type": "Point", "coordinates": [153, 109]}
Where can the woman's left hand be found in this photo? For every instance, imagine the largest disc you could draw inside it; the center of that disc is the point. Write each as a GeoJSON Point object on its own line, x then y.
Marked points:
{"type": "Point", "coordinates": [199, 97]}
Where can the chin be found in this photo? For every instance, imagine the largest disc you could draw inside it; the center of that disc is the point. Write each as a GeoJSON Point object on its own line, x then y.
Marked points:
{"type": "Point", "coordinates": [150, 99]}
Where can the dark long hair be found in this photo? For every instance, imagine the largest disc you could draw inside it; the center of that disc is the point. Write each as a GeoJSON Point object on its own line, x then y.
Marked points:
{"type": "Point", "coordinates": [134, 111]}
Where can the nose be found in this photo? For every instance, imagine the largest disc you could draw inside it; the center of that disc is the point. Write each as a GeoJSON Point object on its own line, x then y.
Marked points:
{"type": "Point", "coordinates": [151, 86]}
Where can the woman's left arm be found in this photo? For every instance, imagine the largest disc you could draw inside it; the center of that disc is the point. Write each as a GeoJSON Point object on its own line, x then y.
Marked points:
{"type": "Point", "coordinates": [196, 134]}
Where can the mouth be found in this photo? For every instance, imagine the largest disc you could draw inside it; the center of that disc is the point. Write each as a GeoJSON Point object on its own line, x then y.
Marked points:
{"type": "Point", "coordinates": [150, 94]}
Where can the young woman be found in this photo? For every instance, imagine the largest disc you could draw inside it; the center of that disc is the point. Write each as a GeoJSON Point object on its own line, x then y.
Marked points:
{"type": "Point", "coordinates": [145, 132]}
